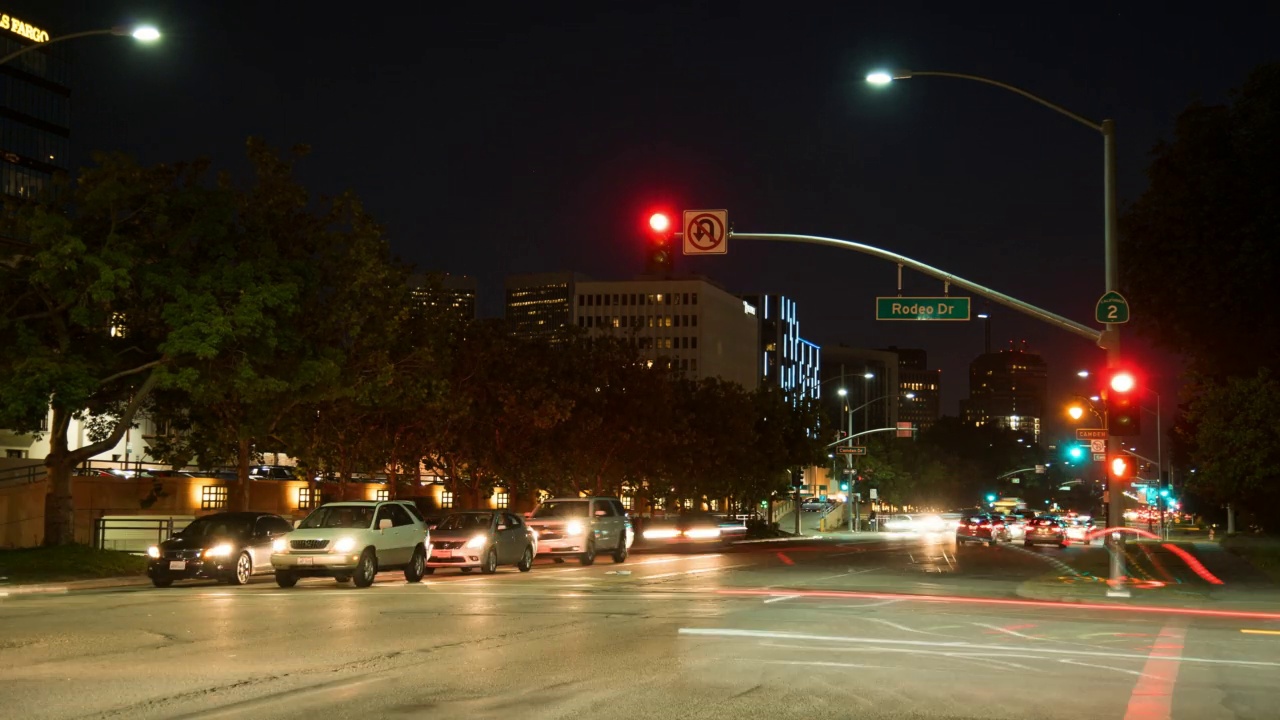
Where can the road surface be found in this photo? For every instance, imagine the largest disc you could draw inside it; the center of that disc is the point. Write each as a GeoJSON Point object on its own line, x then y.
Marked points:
{"type": "Point", "coordinates": [883, 627]}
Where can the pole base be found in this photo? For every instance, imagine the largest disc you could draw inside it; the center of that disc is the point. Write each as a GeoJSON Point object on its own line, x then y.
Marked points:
{"type": "Point", "coordinates": [1118, 592]}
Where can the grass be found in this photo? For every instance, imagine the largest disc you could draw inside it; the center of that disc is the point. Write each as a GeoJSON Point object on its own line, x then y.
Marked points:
{"type": "Point", "coordinates": [66, 562]}
{"type": "Point", "coordinates": [1261, 551]}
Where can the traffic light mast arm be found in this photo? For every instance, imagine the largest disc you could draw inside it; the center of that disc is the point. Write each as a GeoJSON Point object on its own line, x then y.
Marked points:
{"type": "Point", "coordinates": [850, 438]}
{"type": "Point", "coordinates": [1023, 307]}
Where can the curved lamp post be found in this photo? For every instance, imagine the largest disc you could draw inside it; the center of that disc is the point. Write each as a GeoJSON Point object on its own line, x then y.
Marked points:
{"type": "Point", "coordinates": [143, 33]}
{"type": "Point", "coordinates": [1111, 338]}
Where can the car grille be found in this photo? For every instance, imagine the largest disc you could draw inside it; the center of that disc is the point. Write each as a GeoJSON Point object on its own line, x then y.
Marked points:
{"type": "Point", "coordinates": [548, 533]}
{"type": "Point", "coordinates": [448, 545]}
{"type": "Point", "coordinates": [308, 544]}
{"type": "Point", "coordinates": [448, 560]}
{"type": "Point", "coordinates": [181, 554]}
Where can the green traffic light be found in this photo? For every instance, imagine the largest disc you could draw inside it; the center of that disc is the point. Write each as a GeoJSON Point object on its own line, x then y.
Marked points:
{"type": "Point", "coordinates": [1075, 452]}
{"type": "Point", "coordinates": [991, 498]}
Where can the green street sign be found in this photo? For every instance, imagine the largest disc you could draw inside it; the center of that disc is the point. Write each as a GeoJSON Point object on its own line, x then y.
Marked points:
{"type": "Point", "coordinates": [922, 308]}
{"type": "Point", "coordinates": [1112, 308]}
{"type": "Point", "coordinates": [852, 450]}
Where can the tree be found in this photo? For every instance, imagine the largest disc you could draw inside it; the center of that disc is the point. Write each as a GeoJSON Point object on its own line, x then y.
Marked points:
{"type": "Point", "coordinates": [93, 311]}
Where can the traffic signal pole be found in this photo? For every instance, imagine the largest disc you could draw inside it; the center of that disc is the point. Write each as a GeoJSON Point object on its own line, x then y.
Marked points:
{"type": "Point", "coordinates": [1111, 342]}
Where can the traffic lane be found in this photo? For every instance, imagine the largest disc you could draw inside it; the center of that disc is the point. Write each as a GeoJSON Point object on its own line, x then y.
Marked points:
{"type": "Point", "coordinates": [884, 656]}
{"type": "Point", "coordinates": [146, 652]}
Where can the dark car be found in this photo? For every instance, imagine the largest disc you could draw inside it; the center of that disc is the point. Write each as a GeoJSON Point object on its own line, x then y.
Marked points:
{"type": "Point", "coordinates": [229, 547]}
{"type": "Point", "coordinates": [1045, 531]}
{"type": "Point", "coordinates": [694, 528]}
{"type": "Point", "coordinates": [989, 528]}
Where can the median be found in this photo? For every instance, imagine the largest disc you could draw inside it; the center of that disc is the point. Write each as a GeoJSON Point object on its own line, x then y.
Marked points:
{"type": "Point", "coordinates": [67, 563]}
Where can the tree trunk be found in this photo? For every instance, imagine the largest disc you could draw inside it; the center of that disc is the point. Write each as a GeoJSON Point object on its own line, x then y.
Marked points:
{"type": "Point", "coordinates": [59, 518]}
{"type": "Point", "coordinates": [242, 470]}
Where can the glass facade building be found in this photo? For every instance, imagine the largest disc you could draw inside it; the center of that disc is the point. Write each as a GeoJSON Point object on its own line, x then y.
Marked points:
{"type": "Point", "coordinates": [540, 305]}
{"type": "Point", "coordinates": [35, 116]}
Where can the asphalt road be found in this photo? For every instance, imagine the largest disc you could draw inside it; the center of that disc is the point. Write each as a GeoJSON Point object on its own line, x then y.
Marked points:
{"type": "Point", "coordinates": [883, 627]}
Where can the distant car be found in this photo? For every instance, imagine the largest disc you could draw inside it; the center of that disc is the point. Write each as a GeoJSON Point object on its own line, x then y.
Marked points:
{"type": "Point", "coordinates": [1017, 521]}
{"type": "Point", "coordinates": [1045, 531]}
{"type": "Point", "coordinates": [1078, 528]}
{"type": "Point", "coordinates": [229, 547]}
{"type": "Point", "coordinates": [272, 472]}
{"type": "Point", "coordinates": [580, 527]}
{"type": "Point", "coordinates": [813, 505]}
{"type": "Point", "coordinates": [354, 541]}
{"type": "Point", "coordinates": [986, 528]}
{"type": "Point", "coordinates": [689, 529]}
{"type": "Point", "coordinates": [482, 539]}
{"type": "Point", "coordinates": [927, 523]}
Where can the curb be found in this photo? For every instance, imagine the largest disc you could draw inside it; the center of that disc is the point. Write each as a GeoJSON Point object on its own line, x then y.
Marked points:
{"type": "Point", "coordinates": [73, 585]}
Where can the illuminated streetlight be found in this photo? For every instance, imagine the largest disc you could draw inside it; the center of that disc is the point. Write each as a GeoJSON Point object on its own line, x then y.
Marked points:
{"type": "Point", "coordinates": [1076, 412]}
{"type": "Point", "coordinates": [143, 33]}
{"type": "Point", "coordinates": [879, 78]}
{"type": "Point", "coordinates": [1083, 373]}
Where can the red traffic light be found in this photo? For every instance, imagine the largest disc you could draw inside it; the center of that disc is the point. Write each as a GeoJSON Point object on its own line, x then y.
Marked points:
{"type": "Point", "coordinates": [659, 222]}
{"type": "Point", "coordinates": [1120, 467]}
{"type": "Point", "coordinates": [1123, 382]}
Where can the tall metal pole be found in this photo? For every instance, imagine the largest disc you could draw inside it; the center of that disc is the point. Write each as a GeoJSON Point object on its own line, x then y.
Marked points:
{"type": "Point", "coordinates": [1115, 515]}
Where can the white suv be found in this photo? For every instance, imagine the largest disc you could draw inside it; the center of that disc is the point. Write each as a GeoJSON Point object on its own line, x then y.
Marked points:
{"type": "Point", "coordinates": [581, 527]}
{"type": "Point", "coordinates": [353, 541]}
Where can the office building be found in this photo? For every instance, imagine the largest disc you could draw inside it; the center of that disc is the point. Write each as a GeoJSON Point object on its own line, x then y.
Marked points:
{"type": "Point", "coordinates": [445, 294]}
{"type": "Point", "coordinates": [787, 361]}
{"type": "Point", "coordinates": [1007, 389]}
{"type": "Point", "coordinates": [540, 305]}
{"type": "Point", "coordinates": [870, 381]}
{"type": "Point", "coordinates": [692, 324]}
{"type": "Point", "coordinates": [920, 399]}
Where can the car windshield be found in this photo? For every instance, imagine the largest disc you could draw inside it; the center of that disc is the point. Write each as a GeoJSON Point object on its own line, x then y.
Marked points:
{"type": "Point", "coordinates": [212, 527]}
{"type": "Point", "coordinates": [466, 521]}
{"type": "Point", "coordinates": [564, 508]}
{"type": "Point", "coordinates": [339, 516]}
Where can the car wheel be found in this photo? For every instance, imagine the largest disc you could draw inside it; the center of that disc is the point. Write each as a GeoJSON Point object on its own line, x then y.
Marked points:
{"type": "Point", "coordinates": [367, 570]}
{"type": "Point", "coordinates": [526, 561]}
{"type": "Point", "coordinates": [428, 571]}
{"type": "Point", "coordinates": [286, 579]}
{"type": "Point", "coordinates": [620, 552]}
{"type": "Point", "coordinates": [342, 578]}
{"type": "Point", "coordinates": [417, 566]}
{"type": "Point", "coordinates": [161, 581]}
{"type": "Point", "coordinates": [244, 568]}
{"type": "Point", "coordinates": [589, 556]}
{"type": "Point", "coordinates": [490, 564]}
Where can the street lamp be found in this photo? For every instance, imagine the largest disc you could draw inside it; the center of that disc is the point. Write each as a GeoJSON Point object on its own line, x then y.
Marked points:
{"type": "Point", "coordinates": [142, 33]}
{"type": "Point", "coordinates": [1111, 338]}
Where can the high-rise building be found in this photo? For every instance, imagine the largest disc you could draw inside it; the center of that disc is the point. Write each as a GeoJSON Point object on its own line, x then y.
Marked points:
{"type": "Point", "coordinates": [1007, 389]}
{"type": "Point", "coordinates": [920, 399]}
{"type": "Point", "coordinates": [453, 295]}
{"type": "Point", "coordinates": [540, 305]}
{"type": "Point", "coordinates": [696, 326]}
{"type": "Point", "coordinates": [35, 116]}
{"type": "Point", "coordinates": [869, 379]}
{"type": "Point", "coordinates": [787, 361]}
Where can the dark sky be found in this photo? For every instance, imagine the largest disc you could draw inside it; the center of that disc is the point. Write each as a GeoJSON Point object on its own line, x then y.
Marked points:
{"type": "Point", "coordinates": [493, 138]}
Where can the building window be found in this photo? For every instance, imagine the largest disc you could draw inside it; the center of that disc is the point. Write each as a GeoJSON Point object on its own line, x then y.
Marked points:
{"type": "Point", "coordinates": [693, 342]}
{"type": "Point", "coordinates": [687, 504]}
{"type": "Point", "coordinates": [695, 320]}
{"type": "Point", "coordinates": [626, 502]}
{"type": "Point", "coordinates": [446, 499]}
{"type": "Point", "coordinates": [381, 495]}
{"type": "Point", "coordinates": [713, 505]}
{"type": "Point", "coordinates": [582, 300]}
{"type": "Point", "coordinates": [500, 500]}
{"type": "Point", "coordinates": [693, 365]}
{"type": "Point", "coordinates": [695, 298]}
{"type": "Point", "coordinates": [15, 454]}
{"type": "Point", "coordinates": [306, 498]}
{"type": "Point", "coordinates": [684, 364]}
{"type": "Point", "coordinates": [213, 497]}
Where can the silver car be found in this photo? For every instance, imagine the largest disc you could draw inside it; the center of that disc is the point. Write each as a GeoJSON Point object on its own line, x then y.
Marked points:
{"type": "Point", "coordinates": [482, 539]}
{"type": "Point", "coordinates": [581, 527]}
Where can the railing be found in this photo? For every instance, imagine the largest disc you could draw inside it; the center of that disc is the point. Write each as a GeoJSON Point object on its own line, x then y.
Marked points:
{"type": "Point", "coordinates": [22, 475]}
{"type": "Point", "coordinates": [135, 534]}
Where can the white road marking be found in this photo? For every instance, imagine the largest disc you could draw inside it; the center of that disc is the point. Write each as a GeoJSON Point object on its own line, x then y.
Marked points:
{"type": "Point", "coordinates": [1102, 667]}
{"type": "Point", "coordinates": [1007, 631]}
{"type": "Point", "coordinates": [769, 634]}
{"type": "Point", "coordinates": [896, 626]}
{"type": "Point", "coordinates": [780, 598]}
{"type": "Point", "coordinates": [688, 572]}
{"type": "Point", "coordinates": [820, 663]}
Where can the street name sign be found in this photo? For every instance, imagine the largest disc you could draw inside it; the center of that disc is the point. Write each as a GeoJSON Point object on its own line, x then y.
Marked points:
{"type": "Point", "coordinates": [1091, 433]}
{"type": "Point", "coordinates": [922, 308]}
{"type": "Point", "coordinates": [706, 232]}
{"type": "Point", "coordinates": [1112, 308]}
{"type": "Point", "coordinates": [905, 429]}
{"type": "Point", "coordinates": [852, 450]}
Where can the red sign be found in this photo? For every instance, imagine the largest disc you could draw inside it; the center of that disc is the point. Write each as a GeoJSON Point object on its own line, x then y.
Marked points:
{"type": "Point", "coordinates": [1091, 433]}
{"type": "Point", "coordinates": [905, 429]}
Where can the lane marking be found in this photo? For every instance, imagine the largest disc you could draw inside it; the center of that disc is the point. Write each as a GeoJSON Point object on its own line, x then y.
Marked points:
{"type": "Point", "coordinates": [820, 663]}
{"type": "Point", "coordinates": [896, 626]}
{"type": "Point", "coordinates": [1006, 631]}
{"type": "Point", "coordinates": [1248, 631]}
{"type": "Point", "coordinates": [958, 645]}
{"type": "Point", "coordinates": [1096, 666]}
{"type": "Point", "coordinates": [785, 559]}
{"type": "Point", "coordinates": [1152, 697]}
{"type": "Point", "coordinates": [780, 599]}
{"type": "Point", "coordinates": [688, 572]}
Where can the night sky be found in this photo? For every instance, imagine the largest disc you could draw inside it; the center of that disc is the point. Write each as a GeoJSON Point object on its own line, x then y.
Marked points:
{"type": "Point", "coordinates": [525, 137]}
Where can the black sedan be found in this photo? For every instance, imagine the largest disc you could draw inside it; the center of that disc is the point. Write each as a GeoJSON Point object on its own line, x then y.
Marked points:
{"type": "Point", "coordinates": [229, 547]}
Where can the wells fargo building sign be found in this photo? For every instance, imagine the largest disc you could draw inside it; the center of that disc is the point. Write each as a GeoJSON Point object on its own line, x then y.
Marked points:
{"type": "Point", "coordinates": [22, 29]}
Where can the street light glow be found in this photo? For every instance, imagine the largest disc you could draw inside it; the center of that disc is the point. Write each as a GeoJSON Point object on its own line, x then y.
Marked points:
{"type": "Point", "coordinates": [146, 33]}
{"type": "Point", "coordinates": [1076, 412]}
{"type": "Point", "coordinates": [869, 375]}
{"type": "Point", "coordinates": [879, 77]}
{"type": "Point", "coordinates": [1083, 373]}
{"type": "Point", "coordinates": [911, 396]}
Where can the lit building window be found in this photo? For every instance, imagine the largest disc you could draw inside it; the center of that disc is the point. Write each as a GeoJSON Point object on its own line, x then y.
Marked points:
{"type": "Point", "coordinates": [626, 502]}
{"type": "Point", "coordinates": [446, 499]}
{"type": "Point", "coordinates": [306, 498]}
{"type": "Point", "coordinates": [382, 495]}
{"type": "Point", "coordinates": [213, 497]}
{"type": "Point", "coordinates": [500, 500]}
{"type": "Point", "coordinates": [687, 503]}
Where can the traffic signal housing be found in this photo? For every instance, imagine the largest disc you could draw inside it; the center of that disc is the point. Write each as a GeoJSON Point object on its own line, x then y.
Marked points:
{"type": "Point", "coordinates": [1120, 468]}
{"type": "Point", "coordinates": [1124, 412]}
{"type": "Point", "coordinates": [660, 253]}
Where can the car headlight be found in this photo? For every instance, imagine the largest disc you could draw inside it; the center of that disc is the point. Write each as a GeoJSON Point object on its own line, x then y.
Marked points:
{"type": "Point", "coordinates": [477, 541]}
{"type": "Point", "coordinates": [346, 544]}
{"type": "Point", "coordinates": [153, 552]}
{"type": "Point", "coordinates": [702, 533]}
{"type": "Point", "coordinates": [279, 545]}
{"type": "Point", "coordinates": [222, 550]}
{"type": "Point", "coordinates": [660, 534]}
{"type": "Point", "coordinates": [573, 528]}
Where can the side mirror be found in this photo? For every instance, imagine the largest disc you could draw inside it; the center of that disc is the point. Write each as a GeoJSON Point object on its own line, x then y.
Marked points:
{"type": "Point", "coordinates": [384, 523]}
{"type": "Point", "coordinates": [296, 523]}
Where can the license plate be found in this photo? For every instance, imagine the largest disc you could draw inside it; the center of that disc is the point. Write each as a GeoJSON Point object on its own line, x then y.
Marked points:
{"type": "Point", "coordinates": [306, 561]}
{"type": "Point", "coordinates": [177, 564]}
{"type": "Point", "coordinates": [444, 553]}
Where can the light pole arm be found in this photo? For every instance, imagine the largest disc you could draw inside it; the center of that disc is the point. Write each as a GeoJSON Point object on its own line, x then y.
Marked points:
{"type": "Point", "coordinates": [866, 432]}
{"type": "Point", "coordinates": [1006, 86]}
{"type": "Point", "coordinates": [1015, 472]}
{"type": "Point", "coordinates": [72, 36]}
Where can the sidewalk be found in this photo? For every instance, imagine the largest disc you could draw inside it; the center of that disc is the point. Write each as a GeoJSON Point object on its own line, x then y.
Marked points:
{"type": "Point", "coordinates": [7, 590]}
